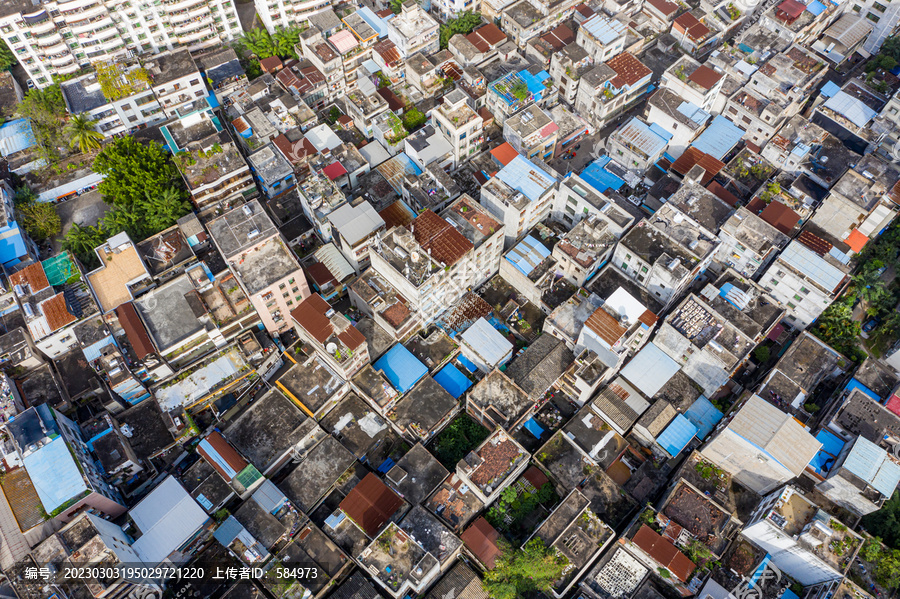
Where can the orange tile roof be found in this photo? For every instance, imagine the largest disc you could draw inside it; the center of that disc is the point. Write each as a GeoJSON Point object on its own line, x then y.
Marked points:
{"type": "Point", "coordinates": [32, 275]}
{"type": "Point", "coordinates": [705, 77]}
{"type": "Point", "coordinates": [56, 312]}
{"type": "Point", "coordinates": [481, 540]}
{"type": "Point", "coordinates": [629, 70]}
{"type": "Point", "coordinates": [606, 326]}
{"type": "Point", "coordinates": [692, 157]}
{"type": "Point", "coordinates": [134, 330]}
{"type": "Point", "coordinates": [692, 26]}
{"type": "Point", "coordinates": [856, 240]}
{"type": "Point", "coordinates": [504, 153]}
{"type": "Point", "coordinates": [436, 235]}
{"type": "Point", "coordinates": [370, 504]}
{"type": "Point", "coordinates": [664, 552]}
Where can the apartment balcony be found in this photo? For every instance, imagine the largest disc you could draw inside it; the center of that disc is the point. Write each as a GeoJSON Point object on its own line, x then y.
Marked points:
{"type": "Point", "coordinates": [196, 36]}
{"type": "Point", "coordinates": [42, 27]}
{"type": "Point", "coordinates": [112, 43]}
{"type": "Point", "coordinates": [76, 16]}
{"type": "Point", "coordinates": [63, 61]}
{"type": "Point", "coordinates": [94, 25]}
{"type": "Point", "coordinates": [49, 41]}
{"type": "Point", "coordinates": [69, 68]}
{"type": "Point", "coordinates": [183, 5]}
{"type": "Point", "coordinates": [55, 49]}
{"type": "Point", "coordinates": [193, 25]}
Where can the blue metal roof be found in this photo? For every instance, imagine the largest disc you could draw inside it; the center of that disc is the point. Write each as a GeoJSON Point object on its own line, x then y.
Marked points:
{"type": "Point", "coordinates": [455, 382]}
{"type": "Point", "coordinates": [228, 531]}
{"type": "Point", "coordinates": [54, 474]}
{"type": "Point", "coordinates": [677, 435]}
{"type": "Point", "coordinates": [599, 178]}
{"type": "Point", "coordinates": [693, 112]}
{"type": "Point", "coordinates": [603, 29]}
{"type": "Point", "coordinates": [815, 7]}
{"type": "Point", "coordinates": [374, 21]}
{"type": "Point", "coordinates": [401, 368]}
{"type": "Point", "coordinates": [704, 416]}
{"type": "Point", "coordinates": [660, 131]}
{"type": "Point", "coordinates": [855, 384]}
{"type": "Point", "coordinates": [535, 83]}
{"type": "Point", "coordinates": [12, 244]}
{"type": "Point", "coordinates": [718, 139]}
{"type": "Point", "coordinates": [525, 177]}
{"type": "Point", "coordinates": [467, 363]}
{"type": "Point", "coordinates": [527, 255]}
{"type": "Point", "coordinates": [830, 88]}
{"type": "Point", "coordinates": [15, 136]}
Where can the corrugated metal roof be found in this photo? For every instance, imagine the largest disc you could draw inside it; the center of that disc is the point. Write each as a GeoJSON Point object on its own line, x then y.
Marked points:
{"type": "Point", "coordinates": [649, 140]}
{"type": "Point", "coordinates": [487, 342]}
{"type": "Point", "coordinates": [704, 416]}
{"type": "Point", "coordinates": [718, 139]}
{"type": "Point", "coordinates": [871, 463]}
{"type": "Point", "coordinates": [167, 517]}
{"type": "Point", "coordinates": [334, 260]}
{"type": "Point", "coordinates": [54, 474]}
{"type": "Point", "coordinates": [603, 29]}
{"type": "Point", "coordinates": [851, 108]}
{"type": "Point", "coordinates": [525, 177]}
{"type": "Point", "coordinates": [370, 504]}
{"type": "Point", "coordinates": [355, 223]}
{"type": "Point", "coordinates": [15, 136]}
{"type": "Point", "coordinates": [776, 433]}
{"type": "Point", "coordinates": [343, 41]}
{"type": "Point", "coordinates": [677, 435]}
{"type": "Point", "coordinates": [269, 497]}
{"type": "Point", "coordinates": [650, 370]}
{"type": "Point", "coordinates": [812, 265]}
{"type": "Point", "coordinates": [527, 255]}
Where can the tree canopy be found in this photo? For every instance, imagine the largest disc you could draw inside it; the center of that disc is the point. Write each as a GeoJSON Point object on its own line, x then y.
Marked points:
{"type": "Point", "coordinates": [413, 118]}
{"type": "Point", "coordinates": [39, 219]}
{"type": "Point", "coordinates": [465, 22]}
{"type": "Point", "coordinates": [517, 573]}
{"type": "Point", "coordinates": [46, 110]}
{"type": "Point", "coordinates": [81, 133]}
{"type": "Point", "coordinates": [886, 522]}
{"type": "Point", "coordinates": [7, 58]}
{"type": "Point", "coordinates": [259, 42]}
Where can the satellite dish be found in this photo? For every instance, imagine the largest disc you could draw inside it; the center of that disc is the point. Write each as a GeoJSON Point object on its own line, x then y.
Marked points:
{"type": "Point", "coordinates": [331, 348]}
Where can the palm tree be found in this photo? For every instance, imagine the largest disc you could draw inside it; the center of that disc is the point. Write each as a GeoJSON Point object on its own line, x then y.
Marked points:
{"type": "Point", "coordinates": [81, 132]}
{"type": "Point", "coordinates": [258, 41]}
{"type": "Point", "coordinates": [284, 41]}
{"type": "Point", "coordinates": [868, 285]}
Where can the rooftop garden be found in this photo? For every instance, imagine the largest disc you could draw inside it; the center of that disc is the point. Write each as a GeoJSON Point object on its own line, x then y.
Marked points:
{"type": "Point", "coordinates": [117, 83]}
{"type": "Point", "coordinates": [521, 507]}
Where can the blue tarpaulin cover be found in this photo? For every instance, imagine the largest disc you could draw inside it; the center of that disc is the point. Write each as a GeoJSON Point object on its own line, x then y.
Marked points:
{"type": "Point", "coordinates": [600, 178]}
{"type": "Point", "coordinates": [831, 447]}
{"type": "Point", "coordinates": [531, 425]}
{"type": "Point", "coordinates": [455, 382]}
{"type": "Point", "coordinates": [855, 384]}
{"type": "Point", "coordinates": [401, 368]}
{"type": "Point", "coordinates": [467, 363]}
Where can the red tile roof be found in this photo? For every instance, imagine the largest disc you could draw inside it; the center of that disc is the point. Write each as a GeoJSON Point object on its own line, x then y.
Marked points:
{"type": "Point", "coordinates": [481, 540]}
{"type": "Point", "coordinates": [310, 314]}
{"type": "Point", "coordinates": [629, 70]}
{"type": "Point", "coordinates": [536, 477]}
{"type": "Point", "coordinates": [320, 274]}
{"type": "Point", "coordinates": [664, 6]}
{"type": "Point", "coordinates": [585, 10]}
{"type": "Point", "coordinates": [351, 337]}
{"type": "Point", "coordinates": [691, 158]}
{"type": "Point", "coordinates": [394, 101]}
{"type": "Point", "coordinates": [705, 77]}
{"type": "Point", "coordinates": [436, 235]}
{"type": "Point", "coordinates": [271, 64]}
{"type": "Point", "coordinates": [558, 38]}
{"type": "Point", "coordinates": [792, 8]}
{"type": "Point", "coordinates": [486, 37]}
{"type": "Point", "coordinates": [504, 153]}
{"type": "Point", "coordinates": [648, 318]}
{"type": "Point", "coordinates": [692, 26]}
{"type": "Point", "coordinates": [334, 171]}
{"type": "Point", "coordinates": [56, 312]}
{"type": "Point", "coordinates": [396, 215]}
{"type": "Point", "coordinates": [779, 216]}
{"type": "Point", "coordinates": [295, 152]}
{"type": "Point", "coordinates": [664, 552]}
{"type": "Point", "coordinates": [224, 451]}
{"type": "Point", "coordinates": [370, 504]}
{"type": "Point", "coordinates": [723, 194]}
{"type": "Point", "coordinates": [134, 330]}
{"type": "Point", "coordinates": [32, 275]}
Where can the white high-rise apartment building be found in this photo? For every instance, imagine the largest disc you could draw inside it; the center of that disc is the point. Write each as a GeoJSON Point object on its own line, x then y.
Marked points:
{"type": "Point", "coordinates": [276, 14]}
{"type": "Point", "coordinates": [60, 38]}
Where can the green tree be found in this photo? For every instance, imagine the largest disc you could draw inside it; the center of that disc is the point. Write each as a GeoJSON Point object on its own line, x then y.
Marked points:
{"type": "Point", "coordinates": [465, 22]}
{"type": "Point", "coordinates": [133, 171]}
{"type": "Point", "coordinates": [396, 6]}
{"type": "Point", "coordinates": [81, 241]}
{"type": "Point", "coordinates": [836, 327]}
{"type": "Point", "coordinates": [518, 573]}
{"type": "Point", "coordinates": [7, 58]}
{"type": "Point", "coordinates": [886, 521]}
{"type": "Point", "coordinates": [868, 286]}
{"type": "Point", "coordinates": [413, 118]}
{"type": "Point", "coordinates": [762, 354]}
{"type": "Point", "coordinates": [891, 47]}
{"type": "Point", "coordinates": [284, 41]}
{"type": "Point", "coordinates": [39, 219]}
{"type": "Point", "coordinates": [81, 133]}
{"type": "Point", "coordinates": [46, 110]}
{"type": "Point", "coordinates": [258, 41]}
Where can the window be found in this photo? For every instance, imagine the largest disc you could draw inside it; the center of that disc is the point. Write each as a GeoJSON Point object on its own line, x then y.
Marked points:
{"type": "Point", "coordinates": [857, 8]}
{"type": "Point", "coordinates": [799, 298]}
{"type": "Point", "coordinates": [282, 286]}
{"type": "Point", "coordinates": [791, 306]}
{"type": "Point", "coordinates": [873, 17]}
{"type": "Point", "coordinates": [804, 290]}
{"type": "Point", "coordinates": [628, 256]}
{"type": "Point", "coordinates": [879, 7]}
{"type": "Point", "coordinates": [643, 269]}
{"type": "Point", "coordinates": [625, 266]}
